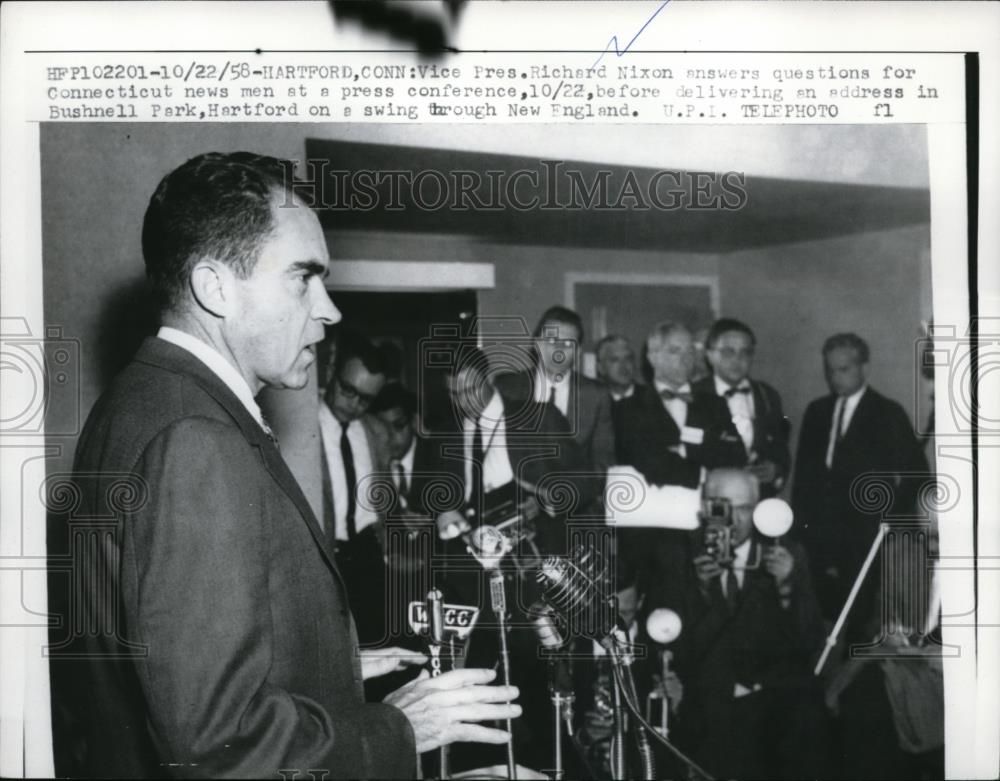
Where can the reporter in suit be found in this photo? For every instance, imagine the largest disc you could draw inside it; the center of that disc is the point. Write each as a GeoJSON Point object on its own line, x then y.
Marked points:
{"type": "Point", "coordinates": [852, 432]}
{"type": "Point", "coordinates": [751, 631]}
{"type": "Point", "coordinates": [669, 432]}
{"type": "Point", "coordinates": [234, 653]}
{"type": "Point", "coordinates": [555, 379]}
{"type": "Point", "coordinates": [754, 405]}
{"type": "Point", "coordinates": [672, 436]}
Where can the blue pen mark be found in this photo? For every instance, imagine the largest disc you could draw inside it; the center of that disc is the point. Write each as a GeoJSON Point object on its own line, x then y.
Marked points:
{"type": "Point", "coordinates": [614, 38]}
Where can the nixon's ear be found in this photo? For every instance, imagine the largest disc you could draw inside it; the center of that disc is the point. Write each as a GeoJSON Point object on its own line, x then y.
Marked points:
{"type": "Point", "coordinates": [211, 286]}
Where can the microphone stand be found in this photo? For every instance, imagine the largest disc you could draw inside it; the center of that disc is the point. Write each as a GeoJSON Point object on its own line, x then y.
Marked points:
{"type": "Point", "coordinates": [562, 697]}
{"type": "Point", "coordinates": [499, 604]}
{"type": "Point", "coordinates": [624, 680]}
{"type": "Point", "coordinates": [435, 622]}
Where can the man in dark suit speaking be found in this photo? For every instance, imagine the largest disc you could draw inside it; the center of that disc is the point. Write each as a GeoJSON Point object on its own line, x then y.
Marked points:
{"type": "Point", "coordinates": [230, 649]}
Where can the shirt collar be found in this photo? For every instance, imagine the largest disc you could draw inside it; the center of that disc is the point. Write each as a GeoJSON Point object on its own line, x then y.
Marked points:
{"type": "Point", "coordinates": [855, 397]}
{"type": "Point", "coordinates": [490, 417]}
{"type": "Point", "coordinates": [222, 369]}
{"type": "Point", "coordinates": [742, 552]}
{"type": "Point", "coordinates": [626, 394]}
{"type": "Point", "coordinates": [721, 386]}
{"type": "Point", "coordinates": [662, 386]}
{"type": "Point", "coordinates": [408, 456]}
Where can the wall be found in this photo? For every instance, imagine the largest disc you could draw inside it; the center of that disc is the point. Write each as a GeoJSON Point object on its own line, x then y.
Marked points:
{"type": "Point", "coordinates": [97, 179]}
{"type": "Point", "coordinates": [795, 295]}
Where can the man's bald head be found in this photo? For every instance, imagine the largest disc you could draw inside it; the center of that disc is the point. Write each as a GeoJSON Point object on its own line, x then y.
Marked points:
{"type": "Point", "coordinates": [741, 490]}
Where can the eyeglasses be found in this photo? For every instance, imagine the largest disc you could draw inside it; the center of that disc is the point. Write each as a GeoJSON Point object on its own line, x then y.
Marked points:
{"type": "Point", "coordinates": [350, 392]}
{"type": "Point", "coordinates": [729, 353]}
{"type": "Point", "coordinates": [400, 424]}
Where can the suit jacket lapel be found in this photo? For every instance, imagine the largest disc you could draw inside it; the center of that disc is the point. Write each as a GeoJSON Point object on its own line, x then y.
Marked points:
{"type": "Point", "coordinates": [858, 419]}
{"type": "Point", "coordinates": [176, 359]}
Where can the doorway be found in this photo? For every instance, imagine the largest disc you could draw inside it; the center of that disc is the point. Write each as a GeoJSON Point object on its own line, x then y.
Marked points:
{"type": "Point", "coordinates": [397, 322]}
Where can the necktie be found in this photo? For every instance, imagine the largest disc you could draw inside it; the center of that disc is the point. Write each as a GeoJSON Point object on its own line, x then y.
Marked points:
{"type": "Point", "coordinates": [732, 588]}
{"type": "Point", "coordinates": [835, 433]}
{"type": "Point", "coordinates": [476, 496]}
{"type": "Point", "coordinates": [669, 395]}
{"type": "Point", "coordinates": [351, 478]}
{"type": "Point", "coordinates": [399, 477]}
{"type": "Point", "coordinates": [730, 392]}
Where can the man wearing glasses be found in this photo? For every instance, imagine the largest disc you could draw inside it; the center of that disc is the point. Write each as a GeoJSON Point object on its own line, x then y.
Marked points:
{"type": "Point", "coordinates": [351, 452]}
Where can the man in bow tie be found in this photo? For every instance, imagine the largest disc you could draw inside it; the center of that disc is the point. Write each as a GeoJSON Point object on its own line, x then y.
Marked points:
{"type": "Point", "coordinates": [672, 434]}
{"type": "Point", "coordinates": [755, 406]}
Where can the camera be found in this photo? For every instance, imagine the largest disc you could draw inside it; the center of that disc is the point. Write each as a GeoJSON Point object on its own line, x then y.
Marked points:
{"type": "Point", "coordinates": [717, 519]}
{"type": "Point", "coordinates": [945, 352]}
{"type": "Point", "coordinates": [42, 380]}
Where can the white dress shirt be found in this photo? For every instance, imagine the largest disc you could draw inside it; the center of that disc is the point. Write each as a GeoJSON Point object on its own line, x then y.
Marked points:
{"type": "Point", "coordinates": [496, 462]}
{"type": "Point", "coordinates": [544, 386]}
{"type": "Point", "coordinates": [330, 431]}
{"type": "Point", "coordinates": [677, 408]}
{"type": "Point", "coordinates": [848, 404]}
{"type": "Point", "coordinates": [222, 369]}
{"type": "Point", "coordinates": [626, 394]}
{"type": "Point", "coordinates": [741, 408]}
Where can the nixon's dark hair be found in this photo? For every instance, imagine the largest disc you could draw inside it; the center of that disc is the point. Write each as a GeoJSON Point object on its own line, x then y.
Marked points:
{"type": "Point", "coordinates": [723, 326]}
{"type": "Point", "coordinates": [851, 340]}
{"type": "Point", "coordinates": [214, 205]}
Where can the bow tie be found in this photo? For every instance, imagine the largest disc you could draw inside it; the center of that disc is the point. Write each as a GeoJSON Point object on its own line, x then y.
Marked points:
{"type": "Point", "coordinates": [730, 392]}
{"type": "Point", "coordinates": [669, 395]}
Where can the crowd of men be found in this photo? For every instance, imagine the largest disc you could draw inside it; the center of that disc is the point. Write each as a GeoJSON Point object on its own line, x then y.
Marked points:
{"type": "Point", "coordinates": [747, 702]}
{"type": "Point", "coordinates": [222, 627]}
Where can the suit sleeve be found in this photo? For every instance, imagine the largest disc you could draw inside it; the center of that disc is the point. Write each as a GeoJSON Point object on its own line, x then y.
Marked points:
{"type": "Point", "coordinates": [197, 583]}
{"type": "Point", "coordinates": [658, 465]}
{"type": "Point", "coordinates": [778, 450]}
{"type": "Point", "coordinates": [602, 445]}
{"type": "Point", "coordinates": [907, 457]}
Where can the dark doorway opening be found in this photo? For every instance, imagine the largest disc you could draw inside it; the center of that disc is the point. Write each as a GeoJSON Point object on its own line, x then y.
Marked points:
{"type": "Point", "coordinates": [397, 322]}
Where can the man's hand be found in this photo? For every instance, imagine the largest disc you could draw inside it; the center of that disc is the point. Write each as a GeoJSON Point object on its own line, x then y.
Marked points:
{"type": "Point", "coordinates": [451, 524]}
{"type": "Point", "coordinates": [764, 471]}
{"type": "Point", "coordinates": [706, 568]}
{"type": "Point", "coordinates": [382, 661]}
{"type": "Point", "coordinates": [779, 563]}
{"type": "Point", "coordinates": [444, 710]}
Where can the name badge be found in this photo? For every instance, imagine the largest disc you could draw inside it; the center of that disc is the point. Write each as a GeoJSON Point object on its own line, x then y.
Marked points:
{"type": "Point", "coordinates": [692, 436]}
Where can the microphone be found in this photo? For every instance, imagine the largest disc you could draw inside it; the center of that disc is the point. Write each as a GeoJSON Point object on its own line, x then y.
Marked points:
{"type": "Point", "coordinates": [545, 622]}
{"type": "Point", "coordinates": [487, 545]}
{"type": "Point", "coordinates": [576, 588]}
{"type": "Point", "coordinates": [435, 615]}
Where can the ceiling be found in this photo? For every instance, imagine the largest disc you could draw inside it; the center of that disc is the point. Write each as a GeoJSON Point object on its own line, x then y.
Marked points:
{"type": "Point", "coordinates": [773, 211]}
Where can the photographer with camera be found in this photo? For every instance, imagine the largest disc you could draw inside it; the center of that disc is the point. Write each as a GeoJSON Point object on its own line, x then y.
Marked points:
{"type": "Point", "coordinates": [751, 627]}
